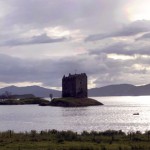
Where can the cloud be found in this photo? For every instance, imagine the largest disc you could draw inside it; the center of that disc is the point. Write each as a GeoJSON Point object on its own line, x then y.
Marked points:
{"type": "Point", "coordinates": [39, 39]}
{"type": "Point", "coordinates": [132, 29]}
{"type": "Point", "coordinates": [123, 48]}
{"type": "Point", "coordinates": [144, 37]}
{"type": "Point", "coordinates": [49, 72]}
{"type": "Point", "coordinates": [86, 14]}
{"type": "Point", "coordinates": [27, 25]}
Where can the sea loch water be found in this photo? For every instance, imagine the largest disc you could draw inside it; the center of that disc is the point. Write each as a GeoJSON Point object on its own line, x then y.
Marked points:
{"type": "Point", "coordinates": [116, 114]}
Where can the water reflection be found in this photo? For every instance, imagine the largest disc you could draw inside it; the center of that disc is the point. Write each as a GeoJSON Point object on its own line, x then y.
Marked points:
{"type": "Point", "coordinates": [69, 112]}
{"type": "Point", "coordinates": [116, 114]}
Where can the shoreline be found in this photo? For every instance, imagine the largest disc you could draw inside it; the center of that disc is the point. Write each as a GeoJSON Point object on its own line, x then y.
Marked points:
{"type": "Point", "coordinates": [56, 102]}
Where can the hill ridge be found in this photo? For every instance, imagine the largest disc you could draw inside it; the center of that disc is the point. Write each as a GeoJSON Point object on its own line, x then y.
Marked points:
{"type": "Point", "coordinates": [109, 90]}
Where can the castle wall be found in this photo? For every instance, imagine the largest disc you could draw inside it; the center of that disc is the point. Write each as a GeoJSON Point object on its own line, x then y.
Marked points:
{"type": "Point", "coordinates": [68, 87]}
{"type": "Point", "coordinates": [74, 85]}
{"type": "Point", "coordinates": [81, 86]}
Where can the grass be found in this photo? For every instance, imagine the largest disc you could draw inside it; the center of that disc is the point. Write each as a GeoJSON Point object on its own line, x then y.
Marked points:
{"type": "Point", "coordinates": [68, 140]}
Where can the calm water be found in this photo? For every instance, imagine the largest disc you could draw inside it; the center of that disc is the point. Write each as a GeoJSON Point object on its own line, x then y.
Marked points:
{"type": "Point", "coordinates": [116, 114]}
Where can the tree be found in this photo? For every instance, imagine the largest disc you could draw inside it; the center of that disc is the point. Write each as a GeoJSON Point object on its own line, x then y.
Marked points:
{"type": "Point", "coordinates": [7, 94]}
{"type": "Point", "coordinates": [51, 96]}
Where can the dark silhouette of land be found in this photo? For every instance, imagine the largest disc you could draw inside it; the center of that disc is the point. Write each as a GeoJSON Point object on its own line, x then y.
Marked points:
{"type": "Point", "coordinates": [26, 101]}
{"type": "Point", "coordinates": [111, 90]}
{"type": "Point", "coordinates": [35, 90]}
{"type": "Point", "coordinates": [74, 102]}
{"type": "Point", "coordinates": [75, 85]}
{"type": "Point", "coordinates": [121, 90]}
{"type": "Point", "coordinates": [74, 92]}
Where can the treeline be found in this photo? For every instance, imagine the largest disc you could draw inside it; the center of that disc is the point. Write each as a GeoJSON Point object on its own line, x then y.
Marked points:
{"type": "Point", "coordinates": [9, 96]}
{"type": "Point", "coordinates": [8, 99]}
{"type": "Point", "coordinates": [25, 101]}
{"type": "Point", "coordinates": [69, 140]}
{"type": "Point", "coordinates": [6, 95]}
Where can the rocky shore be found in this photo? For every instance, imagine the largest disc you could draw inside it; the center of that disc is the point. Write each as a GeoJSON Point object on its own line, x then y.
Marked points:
{"type": "Point", "coordinates": [74, 102]}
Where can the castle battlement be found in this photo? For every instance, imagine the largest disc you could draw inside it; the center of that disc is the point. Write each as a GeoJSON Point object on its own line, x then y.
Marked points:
{"type": "Point", "coordinates": [74, 85]}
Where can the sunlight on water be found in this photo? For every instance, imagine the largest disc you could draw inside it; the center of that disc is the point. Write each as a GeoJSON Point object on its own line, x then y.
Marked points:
{"type": "Point", "coordinates": [116, 114]}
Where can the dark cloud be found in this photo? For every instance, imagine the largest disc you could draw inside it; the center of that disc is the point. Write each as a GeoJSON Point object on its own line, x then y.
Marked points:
{"type": "Point", "coordinates": [39, 39]}
{"type": "Point", "coordinates": [129, 30]}
{"type": "Point", "coordinates": [124, 71]}
{"type": "Point", "coordinates": [144, 37]}
{"type": "Point", "coordinates": [134, 28]}
{"type": "Point", "coordinates": [101, 19]}
{"type": "Point", "coordinates": [49, 72]}
{"type": "Point", "coordinates": [97, 37]}
{"type": "Point", "coordinates": [85, 16]}
{"type": "Point", "coordinates": [122, 48]}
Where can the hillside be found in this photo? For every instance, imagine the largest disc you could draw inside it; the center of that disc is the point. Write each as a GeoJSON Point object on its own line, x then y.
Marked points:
{"type": "Point", "coordinates": [121, 90]}
{"type": "Point", "coordinates": [111, 90]}
{"type": "Point", "coordinates": [35, 90]}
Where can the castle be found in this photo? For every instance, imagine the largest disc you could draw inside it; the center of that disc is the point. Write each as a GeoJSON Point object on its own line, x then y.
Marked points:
{"type": "Point", "coordinates": [75, 86]}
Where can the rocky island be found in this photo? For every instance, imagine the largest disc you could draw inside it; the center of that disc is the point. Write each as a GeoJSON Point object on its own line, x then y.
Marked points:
{"type": "Point", "coordinates": [74, 92]}
{"type": "Point", "coordinates": [74, 102]}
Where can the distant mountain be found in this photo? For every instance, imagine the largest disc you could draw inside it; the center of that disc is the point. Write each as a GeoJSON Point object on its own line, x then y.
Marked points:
{"type": "Point", "coordinates": [120, 90]}
{"type": "Point", "coordinates": [111, 90]}
{"type": "Point", "coordinates": [35, 90]}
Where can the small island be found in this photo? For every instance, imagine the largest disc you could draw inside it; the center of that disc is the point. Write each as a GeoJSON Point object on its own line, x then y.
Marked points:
{"type": "Point", "coordinates": [74, 92]}
{"type": "Point", "coordinates": [74, 102]}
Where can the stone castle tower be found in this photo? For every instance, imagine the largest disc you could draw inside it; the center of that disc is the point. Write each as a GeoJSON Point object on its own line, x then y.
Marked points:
{"type": "Point", "coordinates": [75, 86]}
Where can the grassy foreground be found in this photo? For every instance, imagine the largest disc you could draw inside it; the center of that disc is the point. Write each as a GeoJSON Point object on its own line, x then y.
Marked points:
{"type": "Point", "coordinates": [68, 140]}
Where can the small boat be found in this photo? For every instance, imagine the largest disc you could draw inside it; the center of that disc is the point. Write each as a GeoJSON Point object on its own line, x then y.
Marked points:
{"type": "Point", "coordinates": [136, 114]}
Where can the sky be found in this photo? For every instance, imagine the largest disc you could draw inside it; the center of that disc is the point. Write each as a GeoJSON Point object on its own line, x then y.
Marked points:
{"type": "Point", "coordinates": [42, 40]}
